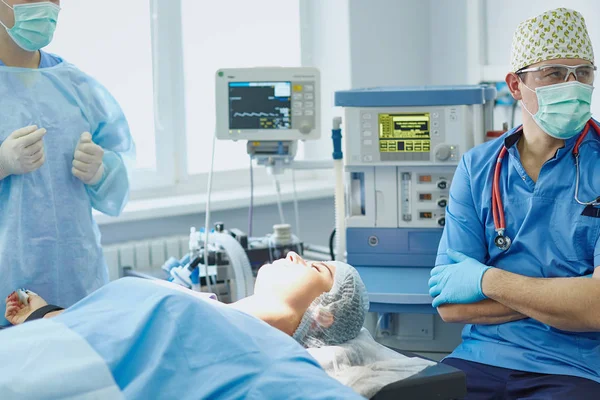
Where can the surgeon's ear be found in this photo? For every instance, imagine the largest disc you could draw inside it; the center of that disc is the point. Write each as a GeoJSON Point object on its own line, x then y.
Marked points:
{"type": "Point", "coordinates": [512, 81]}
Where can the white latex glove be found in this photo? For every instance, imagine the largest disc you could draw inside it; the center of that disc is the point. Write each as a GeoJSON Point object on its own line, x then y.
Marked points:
{"type": "Point", "coordinates": [22, 151]}
{"type": "Point", "coordinates": [87, 161]}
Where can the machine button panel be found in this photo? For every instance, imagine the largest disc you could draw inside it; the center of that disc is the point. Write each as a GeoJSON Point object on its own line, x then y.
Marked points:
{"type": "Point", "coordinates": [422, 197]}
{"type": "Point", "coordinates": [303, 111]}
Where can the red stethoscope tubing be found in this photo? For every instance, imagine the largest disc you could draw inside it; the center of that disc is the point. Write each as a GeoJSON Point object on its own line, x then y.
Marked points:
{"type": "Point", "coordinates": [497, 206]}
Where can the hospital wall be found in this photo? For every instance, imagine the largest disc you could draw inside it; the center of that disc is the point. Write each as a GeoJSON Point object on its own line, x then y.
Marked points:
{"type": "Point", "coordinates": [358, 43]}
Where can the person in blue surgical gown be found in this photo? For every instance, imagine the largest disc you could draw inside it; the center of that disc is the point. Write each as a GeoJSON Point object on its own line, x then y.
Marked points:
{"type": "Point", "coordinates": [525, 279]}
{"type": "Point", "coordinates": [141, 339]}
{"type": "Point", "coordinates": [63, 145]}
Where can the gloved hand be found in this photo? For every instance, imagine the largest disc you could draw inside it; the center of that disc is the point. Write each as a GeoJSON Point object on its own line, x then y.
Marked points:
{"type": "Point", "coordinates": [22, 151]}
{"type": "Point", "coordinates": [458, 283]}
{"type": "Point", "coordinates": [87, 162]}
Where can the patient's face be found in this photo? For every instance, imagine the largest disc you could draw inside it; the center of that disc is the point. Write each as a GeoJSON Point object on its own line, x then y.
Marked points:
{"type": "Point", "coordinates": [294, 280]}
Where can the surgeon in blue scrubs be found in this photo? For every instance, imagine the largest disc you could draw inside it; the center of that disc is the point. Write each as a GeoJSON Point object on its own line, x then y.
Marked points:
{"type": "Point", "coordinates": [524, 279]}
{"type": "Point", "coordinates": [63, 145]}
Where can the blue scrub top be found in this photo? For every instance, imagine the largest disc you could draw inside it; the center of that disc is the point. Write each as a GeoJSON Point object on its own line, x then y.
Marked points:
{"type": "Point", "coordinates": [552, 237]}
{"type": "Point", "coordinates": [47, 60]}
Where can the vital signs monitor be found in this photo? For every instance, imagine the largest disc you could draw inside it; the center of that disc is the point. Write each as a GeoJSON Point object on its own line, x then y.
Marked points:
{"type": "Point", "coordinates": [271, 103]}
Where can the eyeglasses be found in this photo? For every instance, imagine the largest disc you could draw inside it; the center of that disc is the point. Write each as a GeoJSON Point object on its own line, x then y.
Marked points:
{"type": "Point", "coordinates": [557, 73]}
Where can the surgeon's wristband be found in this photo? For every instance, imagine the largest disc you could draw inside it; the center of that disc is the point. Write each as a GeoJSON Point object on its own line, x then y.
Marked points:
{"type": "Point", "coordinates": [41, 312]}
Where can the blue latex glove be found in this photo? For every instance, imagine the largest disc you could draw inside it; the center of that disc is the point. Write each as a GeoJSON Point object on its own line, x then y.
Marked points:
{"type": "Point", "coordinates": [458, 283]}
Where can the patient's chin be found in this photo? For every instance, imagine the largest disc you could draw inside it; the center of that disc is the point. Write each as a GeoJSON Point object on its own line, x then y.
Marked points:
{"type": "Point", "coordinates": [271, 310]}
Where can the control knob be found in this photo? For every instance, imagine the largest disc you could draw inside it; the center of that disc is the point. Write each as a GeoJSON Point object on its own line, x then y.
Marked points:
{"type": "Point", "coordinates": [305, 128]}
{"type": "Point", "coordinates": [443, 153]}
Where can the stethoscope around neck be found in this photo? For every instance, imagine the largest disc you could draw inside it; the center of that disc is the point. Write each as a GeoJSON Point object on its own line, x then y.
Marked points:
{"type": "Point", "coordinates": [503, 241]}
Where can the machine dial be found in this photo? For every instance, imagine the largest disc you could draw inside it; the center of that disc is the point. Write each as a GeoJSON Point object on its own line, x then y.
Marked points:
{"type": "Point", "coordinates": [305, 128]}
{"type": "Point", "coordinates": [442, 184]}
{"type": "Point", "coordinates": [441, 221]}
{"type": "Point", "coordinates": [442, 202]}
{"type": "Point", "coordinates": [443, 153]}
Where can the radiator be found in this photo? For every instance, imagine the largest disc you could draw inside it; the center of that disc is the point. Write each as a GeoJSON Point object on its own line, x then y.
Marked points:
{"type": "Point", "coordinates": [145, 255]}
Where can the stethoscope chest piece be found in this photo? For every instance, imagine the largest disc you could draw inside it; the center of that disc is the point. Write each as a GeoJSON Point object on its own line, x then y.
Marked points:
{"type": "Point", "coordinates": [502, 242]}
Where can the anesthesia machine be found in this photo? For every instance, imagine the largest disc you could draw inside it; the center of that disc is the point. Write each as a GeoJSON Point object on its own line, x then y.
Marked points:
{"type": "Point", "coordinates": [402, 146]}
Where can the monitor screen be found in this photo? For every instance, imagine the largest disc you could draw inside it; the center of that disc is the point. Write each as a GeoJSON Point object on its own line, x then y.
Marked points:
{"type": "Point", "coordinates": [404, 133]}
{"type": "Point", "coordinates": [260, 105]}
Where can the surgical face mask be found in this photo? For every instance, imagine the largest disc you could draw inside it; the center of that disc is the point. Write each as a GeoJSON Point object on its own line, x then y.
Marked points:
{"type": "Point", "coordinates": [34, 26]}
{"type": "Point", "coordinates": [563, 108]}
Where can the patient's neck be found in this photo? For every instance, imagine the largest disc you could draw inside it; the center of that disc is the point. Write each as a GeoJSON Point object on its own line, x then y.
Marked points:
{"type": "Point", "coordinates": [272, 311]}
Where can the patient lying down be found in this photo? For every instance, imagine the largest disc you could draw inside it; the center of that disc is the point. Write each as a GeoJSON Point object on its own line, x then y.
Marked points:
{"type": "Point", "coordinates": [143, 339]}
{"type": "Point", "coordinates": [140, 339]}
{"type": "Point", "coordinates": [317, 303]}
